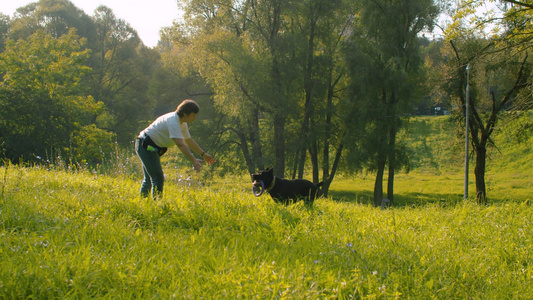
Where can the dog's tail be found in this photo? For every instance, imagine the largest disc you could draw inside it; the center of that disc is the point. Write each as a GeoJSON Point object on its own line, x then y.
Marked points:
{"type": "Point", "coordinates": [319, 184]}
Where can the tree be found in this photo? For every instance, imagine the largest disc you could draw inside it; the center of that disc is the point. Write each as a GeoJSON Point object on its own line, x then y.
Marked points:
{"type": "Point", "coordinates": [500, 73]}
{"type": "Point", "coordinates": [42, 103]}
{"type": "Point", "coordinates": [122, 68]}
{"type": "Point", "coordinates": [196, 60]}
{"type": "Point", "coordinates": [56, 17]}
{"type": "Point", "coordinates": [498, 81]}
{"type": "Point", "coordinates": [321, 27]}
{"type": "Point", "coordinates": [274, 68]}
{"type": "Point", "coordinates": [385, 68]}
{"type": "Point", "coordinates": [237, 47]}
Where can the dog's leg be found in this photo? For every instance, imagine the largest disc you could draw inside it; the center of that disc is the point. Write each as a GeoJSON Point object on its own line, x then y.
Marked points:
{"type": "Point", "coordinates": [309, 202]}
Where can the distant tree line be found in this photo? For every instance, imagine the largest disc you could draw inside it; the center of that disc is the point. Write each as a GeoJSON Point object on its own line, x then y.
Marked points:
{"type": "Point", "coordinates": [308, 87]}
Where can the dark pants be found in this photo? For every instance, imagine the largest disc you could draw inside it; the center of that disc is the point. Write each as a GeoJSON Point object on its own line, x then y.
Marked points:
{"type": "Point", "coordinates": [153, 173]}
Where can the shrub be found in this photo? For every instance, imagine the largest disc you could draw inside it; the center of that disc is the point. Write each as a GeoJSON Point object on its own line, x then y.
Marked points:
{"type": "Point", "coordinates": [91, 145]}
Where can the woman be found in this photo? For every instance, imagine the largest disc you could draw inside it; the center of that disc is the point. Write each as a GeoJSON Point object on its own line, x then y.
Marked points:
{"type": "Point", "coordinates": [166, 131]}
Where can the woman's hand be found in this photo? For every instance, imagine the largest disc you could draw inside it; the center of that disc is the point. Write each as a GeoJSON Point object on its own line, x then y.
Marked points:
{"type": "Point", "coordinates": [208, 158]}
{"type": "Point", "coordinates": [197, 165]}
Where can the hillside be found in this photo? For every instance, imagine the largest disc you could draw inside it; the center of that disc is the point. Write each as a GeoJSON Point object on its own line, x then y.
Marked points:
{"type": "Point", "coordinates": [437, 146]}
{"type": "Point", "coordinates": [436, 174]}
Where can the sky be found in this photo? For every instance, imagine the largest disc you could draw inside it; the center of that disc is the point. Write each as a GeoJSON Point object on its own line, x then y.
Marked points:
{"type": "Point", "coordinates": [147, 17]}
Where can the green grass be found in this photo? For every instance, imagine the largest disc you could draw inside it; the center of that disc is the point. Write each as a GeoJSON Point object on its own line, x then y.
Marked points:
{"type": "Point", "coordinates": [67, 234]}
{"type": "Point", "coordinates": [78, 235]}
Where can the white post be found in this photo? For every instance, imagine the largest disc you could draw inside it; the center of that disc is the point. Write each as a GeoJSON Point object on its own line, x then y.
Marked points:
{"type": "Point", "coordinates": [466, 128]}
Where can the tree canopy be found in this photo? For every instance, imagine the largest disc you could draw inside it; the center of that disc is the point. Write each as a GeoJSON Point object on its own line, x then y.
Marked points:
{"type": "Point", "coordinates": [42, 100]}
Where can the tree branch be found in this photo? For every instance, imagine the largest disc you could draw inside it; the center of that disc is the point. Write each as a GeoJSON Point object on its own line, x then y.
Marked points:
{"type": "Point", "coordinates": [518, 84]}
{"type": "Point", "coordinates": [519, 3]}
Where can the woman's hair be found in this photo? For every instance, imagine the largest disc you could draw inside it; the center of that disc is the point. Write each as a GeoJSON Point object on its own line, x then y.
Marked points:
{"type": "Point", "coordinates": [187, 107]}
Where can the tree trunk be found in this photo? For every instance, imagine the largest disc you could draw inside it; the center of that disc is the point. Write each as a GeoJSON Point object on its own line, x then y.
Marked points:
{"type": "Point", "coordinates": [306, 143]}
{"type": "Point", "coordinates": [279, 141]}
{"type": "Point", "coordinates": [392, 162]}
{"type": "Point", "coordinates": [326, 175]}
{"type": "Point", "coordinates": [256, 142]}
{"type": "Point", "coordinates": [279, 114]}
{"type": "Point", "coordinates": [481, 157]}
{"type": "Point", "coordinates": [328, 179]}
{"type": "Point", "coordinates": [302, 153]}
{"type": "Point", "coordinates": [244, 148]}
{"type": "Point", "coordinates": [378, 185]}
{"type": "Point", "coordinates": [313, 151]}
{"type": "Point", "coordinates": [297, 159]}
{"type": "Point", "coordinates": [390, 184]}
{"type": "Point", "coordinates": [325, 152]}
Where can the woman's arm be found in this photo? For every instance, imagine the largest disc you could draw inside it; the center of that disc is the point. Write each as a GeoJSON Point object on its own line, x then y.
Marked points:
{"type": "Point", "coordinates": [182, 145]}
{"type": "Point", "coordinates": [196, 148]}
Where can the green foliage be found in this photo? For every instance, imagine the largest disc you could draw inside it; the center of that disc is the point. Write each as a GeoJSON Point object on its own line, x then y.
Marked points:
{"type": "Point", "coordinates": [433, 144]}
{"type": "Point", "coordinates": [69, 70]}
{"type": "Point", "coordinates": [4, 29]}
{"type": "Point", "coordinates": [122, 70]}
{"type": "Point", "coordinates": [50, 66]}
{"type": "Point", "coordinates": [519, 127]}
{"type": "Point", "coordinates": [513, 140]}
{"type": "Point", "coordinates": [80, 235]}
{"type": "Point", "coordinates": [268, 62]}
{"type": "Point", "coordinates": [55, 17]}
{"type": "Point", "coordinates": [91, 145]}
{"type": "Point", "coordinates": [42, 103]}
{"type": "Point", "coordinates": [385, 66]}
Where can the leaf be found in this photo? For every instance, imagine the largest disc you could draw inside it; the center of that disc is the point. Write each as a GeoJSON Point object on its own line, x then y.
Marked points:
{"type": "Point", "coordinates": [429, 284]}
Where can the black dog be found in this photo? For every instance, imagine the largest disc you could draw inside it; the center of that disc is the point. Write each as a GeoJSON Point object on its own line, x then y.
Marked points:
{"type": "Point", "coordinates": [283, 190]}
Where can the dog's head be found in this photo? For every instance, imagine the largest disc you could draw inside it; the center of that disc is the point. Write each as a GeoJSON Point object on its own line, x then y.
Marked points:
{"type": "Point", "coordinates": [261, 180]}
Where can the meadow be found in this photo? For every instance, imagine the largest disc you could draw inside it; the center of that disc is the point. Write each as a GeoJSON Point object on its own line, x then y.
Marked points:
{"type": "Point", "coordinates": [82, 234]}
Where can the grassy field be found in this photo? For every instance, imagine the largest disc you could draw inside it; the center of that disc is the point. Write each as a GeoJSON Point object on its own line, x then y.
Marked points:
{"type": "Point", "coordinates": [67, 234]}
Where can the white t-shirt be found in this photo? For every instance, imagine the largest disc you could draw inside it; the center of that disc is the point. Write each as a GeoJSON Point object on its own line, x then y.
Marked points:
{"type": "Point", "coordinates": [165, 128]}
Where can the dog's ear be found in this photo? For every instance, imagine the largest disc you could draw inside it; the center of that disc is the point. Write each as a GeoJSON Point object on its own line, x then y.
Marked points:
{"type": "Point", "coordinates": [270, 170]}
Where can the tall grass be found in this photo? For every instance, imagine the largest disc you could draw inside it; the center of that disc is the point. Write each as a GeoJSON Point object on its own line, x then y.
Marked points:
{"type": "Point", "coordinates": [67, 235]}
{"type": "Point", "coordinates": [84, 234]}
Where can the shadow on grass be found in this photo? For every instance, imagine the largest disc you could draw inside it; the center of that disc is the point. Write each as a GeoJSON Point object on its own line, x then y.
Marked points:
{"type": "Point", "coordinates": [400, 200]}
